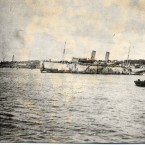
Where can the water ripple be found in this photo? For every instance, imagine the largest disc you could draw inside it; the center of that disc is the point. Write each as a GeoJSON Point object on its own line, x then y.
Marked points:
{"type": "Point", "coordinates": [69, 108]}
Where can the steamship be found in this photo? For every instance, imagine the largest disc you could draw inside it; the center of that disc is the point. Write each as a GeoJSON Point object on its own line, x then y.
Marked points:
{"type": "Point", "coordinates": [86, 66]}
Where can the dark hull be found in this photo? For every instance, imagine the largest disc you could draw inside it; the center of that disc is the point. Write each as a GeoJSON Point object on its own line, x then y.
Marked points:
{"type": "Point", "coordinates": [140, 83]}
{"type": "Point", "coordinates": [64, 71]}
{"type": "Point", "coordinates": [78, 72]}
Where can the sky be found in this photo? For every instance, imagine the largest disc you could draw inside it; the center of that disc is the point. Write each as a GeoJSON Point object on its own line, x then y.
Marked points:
{"type": "Point", "coordinates": [38, 29]}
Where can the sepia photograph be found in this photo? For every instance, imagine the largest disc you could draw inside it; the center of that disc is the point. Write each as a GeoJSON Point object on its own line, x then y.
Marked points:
{"type": "Point", "coordinates": [72, 71]}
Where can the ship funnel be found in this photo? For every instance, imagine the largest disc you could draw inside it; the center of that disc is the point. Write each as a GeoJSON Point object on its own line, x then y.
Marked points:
{"type": "Point", "coordinates": [93, 55]}
{"type": "Point", "coordinates": [107, 56]}
{"type": "Point", "coordinates": [41, 64]}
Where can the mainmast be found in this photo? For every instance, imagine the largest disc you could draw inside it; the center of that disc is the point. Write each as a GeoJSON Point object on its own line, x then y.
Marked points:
{"type": "Point", "coordinates": [3, 48]}
{"type": "Point", "coordinates": [128, 55]}
{"type": "Point", "coordinates": [13, 58]}
{"type": "Point", "coordinates": [64, 51]}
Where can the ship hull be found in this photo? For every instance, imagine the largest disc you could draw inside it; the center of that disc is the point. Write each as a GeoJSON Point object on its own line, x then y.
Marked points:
{"type": "Point", "coordinates": [140, 83]}
{"type": "Point", "coordinates": [81, 68]}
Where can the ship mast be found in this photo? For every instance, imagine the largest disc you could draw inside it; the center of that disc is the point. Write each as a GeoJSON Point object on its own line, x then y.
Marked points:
{"type": "Point", "coordinates": [128, 54]}
{"type": "Point", "coordinates": [13, 58]}
{"type": "Point", "coordinates": [64, 51]}
{"type": "Point", "coordinates": [3, 48]}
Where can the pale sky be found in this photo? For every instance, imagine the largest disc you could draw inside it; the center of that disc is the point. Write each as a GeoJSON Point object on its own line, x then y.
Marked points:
{"type": "Point", "coordinates": [38, 29]}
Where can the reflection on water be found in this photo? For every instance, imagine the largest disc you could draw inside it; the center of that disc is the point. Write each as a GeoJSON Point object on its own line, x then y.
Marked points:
{"type": "Point", "coordinates": [70, 108]}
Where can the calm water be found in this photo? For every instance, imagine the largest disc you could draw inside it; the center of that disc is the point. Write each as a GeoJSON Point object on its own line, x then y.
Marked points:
{"type": "Point", "coordinates": [70, 108]}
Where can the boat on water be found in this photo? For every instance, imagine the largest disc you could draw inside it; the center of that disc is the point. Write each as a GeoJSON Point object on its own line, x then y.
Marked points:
{"type": "Point", "coordinates": [86, 67]}
{"type": "Point", "coordinates": [140, 83]}
{"type": "Point", "coordinates": [89, 66]}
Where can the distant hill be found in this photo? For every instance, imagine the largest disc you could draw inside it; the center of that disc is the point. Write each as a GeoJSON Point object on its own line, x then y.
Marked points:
{"type": "Point", "coordinates": [133, 62]}
{"type": "Point", "coordinates": [35, 64]}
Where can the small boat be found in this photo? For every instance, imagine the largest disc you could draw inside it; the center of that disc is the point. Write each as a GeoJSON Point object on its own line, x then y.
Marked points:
{"type": "Point", "coordinates": [140, 83]}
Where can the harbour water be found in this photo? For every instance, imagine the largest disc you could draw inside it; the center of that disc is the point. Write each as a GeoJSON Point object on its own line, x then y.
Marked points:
{"type": "Point", "coordinates": [70, 108]}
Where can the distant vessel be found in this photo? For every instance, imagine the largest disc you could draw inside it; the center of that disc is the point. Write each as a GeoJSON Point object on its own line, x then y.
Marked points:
{"type": "Point", "coordinates": [140, 83]}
